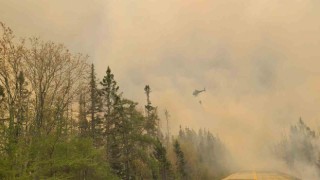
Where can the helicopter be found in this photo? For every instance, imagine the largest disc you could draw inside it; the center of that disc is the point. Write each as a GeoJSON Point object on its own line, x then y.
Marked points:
{"type": "Point", "coordinates": [197, 92]}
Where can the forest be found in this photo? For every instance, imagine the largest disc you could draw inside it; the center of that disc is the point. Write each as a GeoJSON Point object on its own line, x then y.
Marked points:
{"type": "Point", "coordinates": [58, 121]}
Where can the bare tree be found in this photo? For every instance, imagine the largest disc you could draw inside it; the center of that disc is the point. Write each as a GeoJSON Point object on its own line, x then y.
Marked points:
{"type": "Point", "coordinates": [11, 59]}
{"type": "Point", "coordinates": [56, 78]}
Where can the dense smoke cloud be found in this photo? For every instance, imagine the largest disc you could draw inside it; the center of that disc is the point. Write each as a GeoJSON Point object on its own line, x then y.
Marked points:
{"type": "Point", "coordinates": [259, 60]}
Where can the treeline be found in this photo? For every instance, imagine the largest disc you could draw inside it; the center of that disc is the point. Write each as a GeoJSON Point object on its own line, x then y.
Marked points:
{"type": "Point", "coordinates": [57, 121]}
{"type": "Point", "coordinates": [206, 155]}
{"type": "Point", "coordinates": [300, 150]}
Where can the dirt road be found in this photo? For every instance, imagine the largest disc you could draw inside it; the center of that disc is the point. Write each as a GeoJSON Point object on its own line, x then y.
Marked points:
{"type": "Point", "coordinates": [254, 175]}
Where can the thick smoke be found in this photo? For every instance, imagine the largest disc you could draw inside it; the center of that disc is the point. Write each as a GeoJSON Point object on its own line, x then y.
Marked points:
{"type": "Point", "coordinates": [259, 60]}
{"type": "Point", "coordinates": [300, 150]}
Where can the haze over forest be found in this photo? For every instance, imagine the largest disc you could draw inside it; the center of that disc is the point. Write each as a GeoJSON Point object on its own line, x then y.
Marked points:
{"type": "Point", "coordinates": [257, 59]}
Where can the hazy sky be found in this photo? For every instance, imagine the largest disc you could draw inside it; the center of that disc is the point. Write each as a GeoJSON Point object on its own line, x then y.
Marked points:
{"type": "Point", "coordinates": [258, 59]}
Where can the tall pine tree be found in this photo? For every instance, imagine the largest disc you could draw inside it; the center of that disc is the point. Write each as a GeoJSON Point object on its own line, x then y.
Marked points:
{"type": "Point", "coordinates": [152, 120]}
{"type": "Point", "coordinates": [95, 108]}
{"type": "Point", "coordinates": [111, 100]}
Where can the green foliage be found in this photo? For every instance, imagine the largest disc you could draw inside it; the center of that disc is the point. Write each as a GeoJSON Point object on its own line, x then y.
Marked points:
{"type": "Point", "coordinates": [49, 157]}
{"type": "Point", "coordinates": [111, 101]}
{"type": "Point", "coordinates": [160, 154]}
{"type": "Point", "coordinates": [125, 134]}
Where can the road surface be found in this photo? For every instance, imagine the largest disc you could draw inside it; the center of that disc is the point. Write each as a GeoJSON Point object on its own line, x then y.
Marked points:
{"type": "Point", "coordinates": [254, 175]}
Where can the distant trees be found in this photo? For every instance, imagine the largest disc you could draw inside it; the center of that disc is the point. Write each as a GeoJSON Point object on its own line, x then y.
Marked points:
{"type": "Point", "coordinates": [200, 155]}
{"type": "Point", "coordinates": [299, 147]}
{"type": "Point", "coordinates": [180, 162]}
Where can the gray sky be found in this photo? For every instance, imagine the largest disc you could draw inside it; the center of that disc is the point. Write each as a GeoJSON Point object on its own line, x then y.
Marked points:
{"type": "Point", "coordinates": [258, 59]}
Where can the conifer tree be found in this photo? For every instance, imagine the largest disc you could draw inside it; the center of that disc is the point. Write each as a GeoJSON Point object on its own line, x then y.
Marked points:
{"type": "Point", "coordinates": [95, 108]}
{"type": "Point", "coordinates": [180, 162]}
{"type": "Point", "coordinates": [111, 100]}
{"type": "Point", "coordinates": [164, 164]}
{"type": "Point", "coordinates": [152, 120]}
